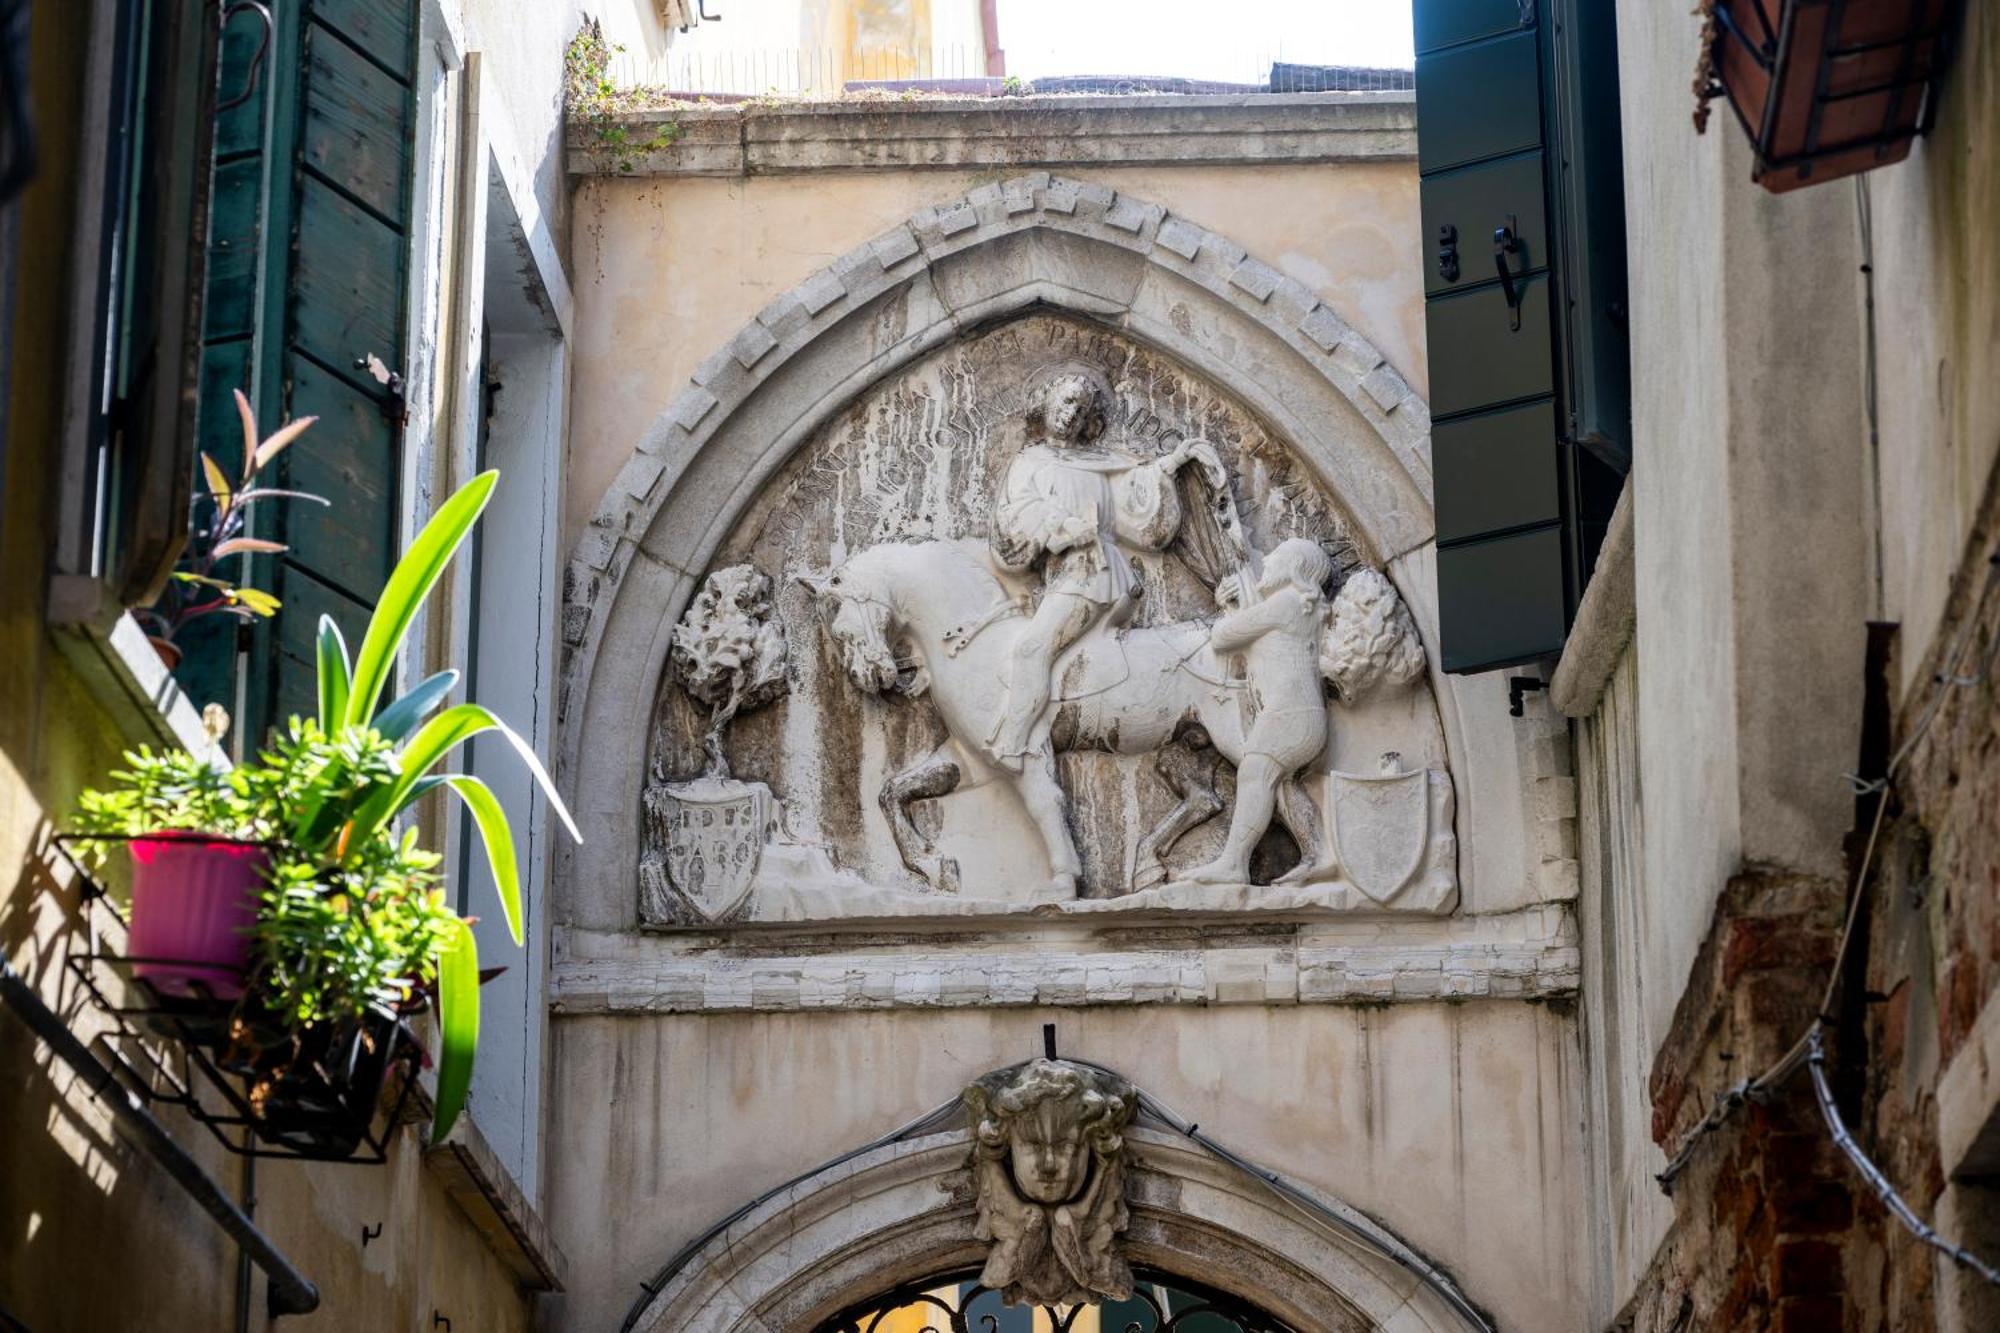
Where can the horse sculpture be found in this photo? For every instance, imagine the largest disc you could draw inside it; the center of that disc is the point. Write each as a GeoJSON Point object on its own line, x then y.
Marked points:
{"type": "Point", "coordinates": [935, 617]}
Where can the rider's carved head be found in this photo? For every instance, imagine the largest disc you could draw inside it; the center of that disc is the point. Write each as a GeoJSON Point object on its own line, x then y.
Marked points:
{"type": "Point", "coordinates": [1299, 562]}
{"type": "Point", "coordinates": [1072, 410]}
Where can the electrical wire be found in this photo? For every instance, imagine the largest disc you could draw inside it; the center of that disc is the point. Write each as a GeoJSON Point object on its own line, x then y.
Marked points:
{"type": "Point", "coordinates": [1830, 1111]}
{"type": "Point", "coordinates": [1808, 1050]}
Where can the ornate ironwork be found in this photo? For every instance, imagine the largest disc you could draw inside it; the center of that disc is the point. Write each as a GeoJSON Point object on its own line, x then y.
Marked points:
{"type": "Point", "coordinates": [1160, 1303]}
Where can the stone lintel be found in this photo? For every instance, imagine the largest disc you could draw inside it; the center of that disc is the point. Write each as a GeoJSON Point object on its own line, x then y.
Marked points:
{"type": "Point", "coordinates": [759, 138]}
{"type": "Point", "coordinates": [1525, 955]}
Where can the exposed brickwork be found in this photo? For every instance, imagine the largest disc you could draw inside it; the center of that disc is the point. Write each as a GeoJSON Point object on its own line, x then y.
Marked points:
{"type": "Point", "coordinates": [1773, 1228]}
{"type": "Point", "coordinates": [1765, 1210]}
{"type": "Point", "coordinates": [1934, 943]}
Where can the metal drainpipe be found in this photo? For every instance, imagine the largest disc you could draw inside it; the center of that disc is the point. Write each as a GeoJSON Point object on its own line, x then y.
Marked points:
{"type": "Point", "coordinates": [291, 1292]}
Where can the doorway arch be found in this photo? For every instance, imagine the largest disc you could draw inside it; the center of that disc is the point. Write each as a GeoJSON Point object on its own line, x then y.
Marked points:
{"type": "Point", "coordinates": [1160, 1303]}
{"type": "Point", "coordinates": [903, 1212]}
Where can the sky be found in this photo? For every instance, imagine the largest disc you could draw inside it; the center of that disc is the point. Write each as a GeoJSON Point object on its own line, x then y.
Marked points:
{"type": "Point", "coordinates": [1234, 40]}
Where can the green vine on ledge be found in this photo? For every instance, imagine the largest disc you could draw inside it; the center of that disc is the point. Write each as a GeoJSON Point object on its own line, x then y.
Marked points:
{"type": "Point", "coordinates": [594, 100]}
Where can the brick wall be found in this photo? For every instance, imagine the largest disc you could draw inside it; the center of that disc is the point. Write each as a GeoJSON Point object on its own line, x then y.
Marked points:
{"type": "Point", "coordinates": [1773, 1229]}
{"type": "Point", "coordinates": [1765, 1213]}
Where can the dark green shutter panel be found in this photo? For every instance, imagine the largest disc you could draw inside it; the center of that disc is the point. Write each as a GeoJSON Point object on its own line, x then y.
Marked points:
{"type": "Point", "coordinates": [147, 329]}
{"type": "Point", "coordinates": [208, 666]}
{"type": "Point", "coordinates": [1513, 501]}
{"type": "Point", "coordinates": [345, 115]}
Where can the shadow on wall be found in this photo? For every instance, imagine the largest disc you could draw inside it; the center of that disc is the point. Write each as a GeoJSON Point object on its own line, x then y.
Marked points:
{"type": "Point", "coordinates": [72, 1187]}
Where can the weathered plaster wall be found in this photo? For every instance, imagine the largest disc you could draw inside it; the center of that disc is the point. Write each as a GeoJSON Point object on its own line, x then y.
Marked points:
{"type": "Point", "coordinates": [1768, 531]}
{"type": "Point", "coordinates": [1611, 917]}
{"type": "Point", "coordinates": [1935, 947]}
{"type": "Point", "coordinates": [1722, 745]}
{"type": "Point", "coordinates": [1937, 313]}
{"type": "Point", "coordinates": [666, 269]}
{"type": "Point", "coordinates": [1448, 1123]}
{"type": "Point", "coordinates": [1748, 493]}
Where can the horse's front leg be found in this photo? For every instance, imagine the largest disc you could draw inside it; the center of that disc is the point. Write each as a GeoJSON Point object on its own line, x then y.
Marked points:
{"type": "Point", "coordinates": [1190, 775]}
{"type": "Point", "coordinates": [1042, 796]}
{"type": "Point", "coordinates": [936, 774]}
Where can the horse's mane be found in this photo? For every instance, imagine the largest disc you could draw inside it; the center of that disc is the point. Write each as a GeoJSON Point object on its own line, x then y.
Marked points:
{"type": "Point", "coordinates": [966, 553]}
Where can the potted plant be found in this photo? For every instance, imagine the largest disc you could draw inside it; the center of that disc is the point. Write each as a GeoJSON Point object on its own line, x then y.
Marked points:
{"type": "Point", "coordinates": [350, 928]}
{"type": "Point", "coordinates": [199, 589]}
{"type": "Point", "coordinates": [199, 851]}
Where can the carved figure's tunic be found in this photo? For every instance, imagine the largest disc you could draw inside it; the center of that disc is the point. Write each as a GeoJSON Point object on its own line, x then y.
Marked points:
{"type": "Point", "coordinates": [1082, 507]}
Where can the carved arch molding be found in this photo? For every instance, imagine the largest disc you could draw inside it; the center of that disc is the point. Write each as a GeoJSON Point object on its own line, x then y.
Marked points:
{"type": "Point", "coordinates": [1036, 242]}
{"type": "Point", "coordinates": [904, 1212]}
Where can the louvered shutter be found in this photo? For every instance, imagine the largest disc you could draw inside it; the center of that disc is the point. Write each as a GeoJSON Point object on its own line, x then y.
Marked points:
{"type": "Point", "coordinates": [1516, 495]}
{"type": "Point", "coordinates": [334, 309]}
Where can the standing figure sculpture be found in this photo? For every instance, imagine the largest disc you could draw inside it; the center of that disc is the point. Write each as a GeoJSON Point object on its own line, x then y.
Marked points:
{"type": "Point", "coordinates": [1279, 635]}
{"type": "Point", "coordinates": [1075, 505]}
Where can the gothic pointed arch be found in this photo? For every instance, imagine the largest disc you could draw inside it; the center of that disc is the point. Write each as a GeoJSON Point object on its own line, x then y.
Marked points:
{"type": "Point", "coordinates": [1035, 242]}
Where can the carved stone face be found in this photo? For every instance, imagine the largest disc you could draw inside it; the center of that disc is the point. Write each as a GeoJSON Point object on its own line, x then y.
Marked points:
{"type": "Point", "coordinates": [1051, 1181]}
{"type": "Point", "coordinates": [1048, 1151]}
{"type": "Point", "coordinates": [1072, 402]}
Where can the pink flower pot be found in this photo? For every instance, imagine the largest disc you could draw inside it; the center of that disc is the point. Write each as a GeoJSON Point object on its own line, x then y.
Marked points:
{"type": "Point", "coordinates": [194, 901]}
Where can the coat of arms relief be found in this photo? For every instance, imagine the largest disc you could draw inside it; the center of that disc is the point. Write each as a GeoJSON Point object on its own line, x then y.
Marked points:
{"type": "Point", "coordinates": [1045, 623]}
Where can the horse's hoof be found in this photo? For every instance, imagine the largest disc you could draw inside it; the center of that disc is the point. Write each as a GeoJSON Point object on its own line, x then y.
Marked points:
{"type": "Point", "coordinates": [1214, 873]}
{"type": "Point", "coordinates": [939, 872]}
{"type": "Point", "coordinates": [1148, 877]}
{"type": "Point", "coordinates": [1060, 887]}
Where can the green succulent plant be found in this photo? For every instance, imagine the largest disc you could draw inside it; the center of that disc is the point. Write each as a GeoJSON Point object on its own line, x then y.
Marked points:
{"type": "Point", "coordinates": [354, 915]}
{"type": "Point", "coordinates": [422, 739]}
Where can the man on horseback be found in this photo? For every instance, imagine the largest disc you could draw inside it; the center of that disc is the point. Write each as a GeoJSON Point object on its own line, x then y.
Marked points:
{"type": "Point", "coordinates": [1076, 505]}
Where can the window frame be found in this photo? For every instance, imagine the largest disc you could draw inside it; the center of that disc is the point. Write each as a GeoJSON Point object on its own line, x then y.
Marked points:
{"type": "Point", "coordinates": [130, 567]}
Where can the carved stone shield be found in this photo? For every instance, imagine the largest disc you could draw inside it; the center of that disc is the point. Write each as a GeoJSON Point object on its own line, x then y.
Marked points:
{"type": "Point", "coordinates": [1382, 824]}
{"type": "Point", "coordinates": [715, 831]}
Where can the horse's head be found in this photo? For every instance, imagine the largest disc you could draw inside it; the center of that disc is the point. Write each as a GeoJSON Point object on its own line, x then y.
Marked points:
{"type": "Point", "coordinates": [859, 621]}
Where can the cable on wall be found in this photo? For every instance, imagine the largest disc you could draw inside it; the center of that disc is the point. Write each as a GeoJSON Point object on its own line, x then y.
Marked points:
{"type": "Point", "coordinates": [1808, 1051]}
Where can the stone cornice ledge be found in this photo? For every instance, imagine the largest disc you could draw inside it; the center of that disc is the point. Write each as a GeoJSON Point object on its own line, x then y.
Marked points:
{"type": "Point", "coordinates": [1605, 620]}
{"type": "Point", "coordinates": [479, 1182]}
{"type": "Point", "coordinates": [1526, 955]}
{"type": "Point", "coordinates": [757, 138]}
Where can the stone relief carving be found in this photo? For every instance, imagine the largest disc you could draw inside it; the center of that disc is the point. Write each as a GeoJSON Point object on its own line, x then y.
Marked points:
{"type": "Point", "coordinates": [1038, 588]}
{"type": "Point", "coordinates": [1049, 1175]}
{"type": "Point", "coordinates": [729, 653]}
{"type": "Point", "coordinates": [706, 838]}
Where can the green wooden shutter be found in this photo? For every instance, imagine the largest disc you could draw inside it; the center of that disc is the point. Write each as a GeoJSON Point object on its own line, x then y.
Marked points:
{"type": "Point", "coordinates": [250, 67]}
{"type": "Point", "coordinates": [1516, 497]}
{"type": "Point", "coordinates": [156, 198]}
{"type": "Point", "coordinates": [336, 160]}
